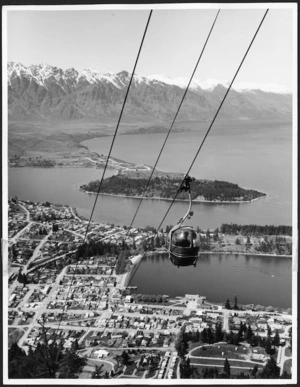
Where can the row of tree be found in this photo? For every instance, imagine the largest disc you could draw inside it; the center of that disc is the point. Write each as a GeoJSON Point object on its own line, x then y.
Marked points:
{"type": "Point", "coordinates": [254, 229]}
{"type": "Point", "coordinates": [152, 298]}
{"type": "Point", "coordinates": [123, 263]}
{"type": "Point", "coordinates": [269, 371]}
{"type": "Point", "coordinates": [44, 361]}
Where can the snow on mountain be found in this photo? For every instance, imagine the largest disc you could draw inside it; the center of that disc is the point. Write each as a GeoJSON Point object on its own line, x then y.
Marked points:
{"type": "Point", "coordinates": [180, 82]}
{"type": "Point", "coordinates": [48, 91]}
{"type": "Point", "coordinates": [42, 71]}
{"type": "Point", "coordinates": [266, 87]}
{"type": "Point", "coordinates": [210, 84]}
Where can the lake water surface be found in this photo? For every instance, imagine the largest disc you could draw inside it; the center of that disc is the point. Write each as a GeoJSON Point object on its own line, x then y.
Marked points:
{"type": "Point", "coordinates": [253, 154]}
{"type": "Point", "coordinates": [255, 280]}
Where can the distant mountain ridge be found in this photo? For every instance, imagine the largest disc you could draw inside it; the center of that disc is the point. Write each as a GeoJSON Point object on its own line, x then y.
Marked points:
{"type": "Point", "coordinates": [44, 92]}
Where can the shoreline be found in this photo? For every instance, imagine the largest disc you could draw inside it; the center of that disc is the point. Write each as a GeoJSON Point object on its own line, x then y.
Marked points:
{"type": "Point", "coordinates": [126, 277]}
{"type": "Point", "coordinates": [227, 253]}
{"type": "Point", "coordinates": [178, 200]}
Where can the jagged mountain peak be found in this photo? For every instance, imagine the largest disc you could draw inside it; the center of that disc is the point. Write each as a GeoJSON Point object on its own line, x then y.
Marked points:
{"type": "Point", "coordinates": [42, 90]}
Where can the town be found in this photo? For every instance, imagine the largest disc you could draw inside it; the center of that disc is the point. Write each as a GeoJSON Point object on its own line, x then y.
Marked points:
{"type": "Point", "coordinates": [65, 292]}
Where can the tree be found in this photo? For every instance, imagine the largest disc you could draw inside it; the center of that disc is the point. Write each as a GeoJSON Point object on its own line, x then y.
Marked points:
{"type": "Point", "coordinates": [248, 243]}
{"type": "Point", "coordinates": [227, 304]}
{"type": "Point", "coordinates": [290, 336]}
{"type": "Point", "coordinates": [210, 373]}
{"type": "Point", "coordinates": [276, 339]}
{"type": "Point", "coordinates": [181, 344]}
{"type": "Point", "coordinates": [157, 241]}
{"type": "Point", "coordinates": [226, 368]}
{"type": "Point", "coordinates": [218, 333]}
{"type": "Point", "coordinates": [235, 303]}
{"type": "Point", "coordinates": [125, 357]}
{"type": "Point", "coordinates": [249, 333]}
{"type": "Point", "coordinates": [133, 244]}
{"type": "Point", "coordinates": [237, 241]}
{"type": "Point", "coordinates": [195, 336]}
{"type": "Point", "coordinates": [230, 337]}
{"type": "Point", "coordinates": [216, 234]}
{"type": "Point", "coordinates": [24, 279]}
{"type": "Point", "coordinates": [268, 346]}
{"type": "Point", "coordinates": [97, 374]}
{"type": "Point", "coordinates": [203, 335]}
{"type": "Point", "coordinates": [285, 375]}
{"type": "Point", "coordinates": [254, 370]}
{"type": "Point", "coordinates": [45, 361]}
{"type": "Point", "coordinates": [210, 336]}
{"type": "Point", "coordinates": [20, 276]}
{"type": "Point", "coordinates": [208, 235]}
{"type": "Point", "coordinates": [270, 370]}
{"type": "Point", "coordinates": [75, 345]}
{"type": "Point", "coordinates": [186, 369]}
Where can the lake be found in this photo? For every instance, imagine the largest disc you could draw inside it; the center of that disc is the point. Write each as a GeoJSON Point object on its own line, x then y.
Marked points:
{"type": "Point", "coordinates": [253, 154]}
{"type": "Point", "coordinates": [255, 280]}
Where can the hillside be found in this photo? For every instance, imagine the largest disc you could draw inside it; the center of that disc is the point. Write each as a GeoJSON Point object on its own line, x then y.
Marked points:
{"type": "Point", "coordinates": [48, 94]}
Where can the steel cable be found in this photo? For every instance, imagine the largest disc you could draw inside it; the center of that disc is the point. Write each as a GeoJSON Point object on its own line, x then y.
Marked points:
{"type": "Point", "coordinates": [215, 116]}
{"type": "Point", "coordinates": [172, 124]}
{"type": "Point", "coordinates": [110, 150]}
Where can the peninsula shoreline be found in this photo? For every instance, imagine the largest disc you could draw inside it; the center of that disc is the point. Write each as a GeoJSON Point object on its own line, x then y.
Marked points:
{"type": "Point", "coordinates": [178, 200]}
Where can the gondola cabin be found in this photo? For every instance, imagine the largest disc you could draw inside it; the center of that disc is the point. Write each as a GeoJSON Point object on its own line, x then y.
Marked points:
{"type": "Point", "coordinates": [183, 242]}
{"type": "Point", "coordinates": [184, 245]}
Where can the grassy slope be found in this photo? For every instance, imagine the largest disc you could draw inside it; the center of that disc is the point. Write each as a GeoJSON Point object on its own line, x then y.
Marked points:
{"type": "Point", "coordinates": [49, 139]}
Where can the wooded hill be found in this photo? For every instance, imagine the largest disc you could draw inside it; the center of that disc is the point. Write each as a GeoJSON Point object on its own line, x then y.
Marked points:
{"type": "Point", "coordinates": [164, 187]}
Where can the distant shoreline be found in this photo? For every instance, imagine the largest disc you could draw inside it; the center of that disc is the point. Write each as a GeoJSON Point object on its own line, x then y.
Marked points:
{"type": "Point", "coordinates": [179, 200]}
{"type": "Point", "coordinates": [227, 253]}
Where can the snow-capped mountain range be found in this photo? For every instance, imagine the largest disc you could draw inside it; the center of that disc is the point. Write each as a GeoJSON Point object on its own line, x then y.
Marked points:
{"type": "Point", "coordinates": [210, 84]}
{"type": "Point", "coordinates": [44, 91]}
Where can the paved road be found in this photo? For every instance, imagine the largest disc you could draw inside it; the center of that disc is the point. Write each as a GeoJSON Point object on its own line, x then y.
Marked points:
{"type": "Point", "coordinates": [226, 314]}
{"type": "Point", "coordinates": [223, 358]}
{"type": "Point", "coordinates": [75, 233]}
{"type": "Point", "coordinates": [219, 365]}
{"type": "Point", "coordinates": [96, 361]}
{"type": "Point", "coordinates": [281, 358]}
{"type": "Point", "coordinates": [50, 260]}
{"type": "Point", "coordinates": [74, 215]}
{"type": "Point", "coordinates": [37, 251]}
{"type": "Point", "coordinates": [17, 236]}
{"type": "Point", "coordinates": [27, 212]}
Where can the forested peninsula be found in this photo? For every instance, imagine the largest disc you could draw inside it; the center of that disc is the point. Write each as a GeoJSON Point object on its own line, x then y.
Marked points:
{"type": "Point", "coordinates": [165, 187]}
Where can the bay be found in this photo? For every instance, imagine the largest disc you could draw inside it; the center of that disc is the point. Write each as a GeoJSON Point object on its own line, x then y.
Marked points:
{"type": "Point", "coordinates": [255, 280]}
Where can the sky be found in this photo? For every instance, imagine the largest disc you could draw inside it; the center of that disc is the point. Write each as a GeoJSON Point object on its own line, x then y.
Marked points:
{"type": "Point", "coordinates": [108, 41]}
